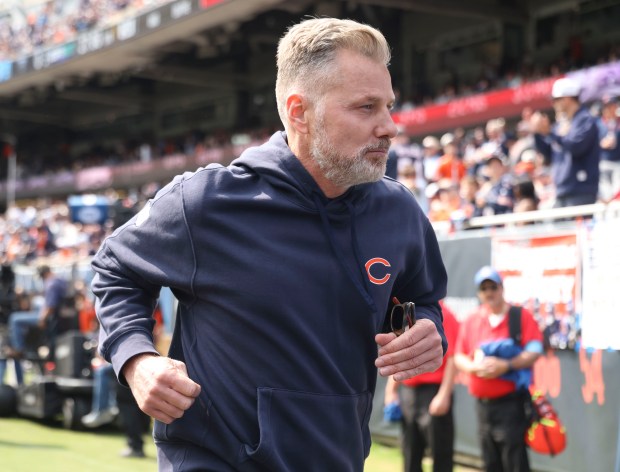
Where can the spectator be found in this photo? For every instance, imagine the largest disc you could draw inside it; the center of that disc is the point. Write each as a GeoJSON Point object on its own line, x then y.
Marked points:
{"type": "Point", "coordinates": [572, 146]}
{"type": "Point", "coordinates": [430, 158]}
{"type": "Point", "coordinates": [543, 185]}
{"type": "Point", "coordinates": [525, 198]}
{"type": "Point", "coordinates": [399, 143]}
{"type": "Point", "coordinates": [502, 421]}
{"type": "Point", "coordinates": [523, 144]}
{"type": "Point", "coordinates": [47, 317]}
{"type": "Point", "coordinates": [468, 190]}
{"type": "Point", "coordinates": [495, 196]}
{"type": "Point", "coordinates": [409, 178]}
{"type": "Point", "coordinates": [134, 423]}
{"type": "Point", "coordinates": [496, 143]}
{"type": "Point", "coordinates": [474, 156]}
{"type": "Point", "coordinates": [444, 202]}
{"type": "Point", "coordinates": [104, 408]}
{"type": "Point", "coordinates": [426, 404]}
{"type": "Point", "coordinates": [609, 133]}
{"type": "Point", "coordinates": [528, 162]}
{"type": "Point", "coordinates": [450, 165]}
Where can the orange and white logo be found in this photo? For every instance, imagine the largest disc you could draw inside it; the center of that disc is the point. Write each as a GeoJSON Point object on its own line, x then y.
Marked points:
{"type": "Point", "coordinates": [372, 262]}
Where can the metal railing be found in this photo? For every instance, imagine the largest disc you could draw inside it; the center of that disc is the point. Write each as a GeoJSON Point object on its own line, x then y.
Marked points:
{"type": "Point", "coordinates": [599, 211]}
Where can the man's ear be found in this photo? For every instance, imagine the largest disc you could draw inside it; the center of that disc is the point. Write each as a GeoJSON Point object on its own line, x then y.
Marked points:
{"type": "Point", "coordinates": [297, 112]}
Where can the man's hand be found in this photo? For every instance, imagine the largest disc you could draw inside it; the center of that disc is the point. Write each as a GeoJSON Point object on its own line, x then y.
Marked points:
{"type": "Point", "coordinates": [440, 405]}
{"type": "Point", "coordinates": [160, 386]}
{"type": "Point", "coordinates": [415, 352]}
{"type": "Point", "coordinates": [539, 123]}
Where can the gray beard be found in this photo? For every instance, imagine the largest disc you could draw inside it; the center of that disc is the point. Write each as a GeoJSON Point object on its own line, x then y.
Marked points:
{"type": "Point", "coordinates": [346, 171]}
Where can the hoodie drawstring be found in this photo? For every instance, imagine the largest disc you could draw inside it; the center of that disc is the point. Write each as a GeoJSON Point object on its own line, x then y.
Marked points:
{"type": "Point", "coordinates": [363, 290]}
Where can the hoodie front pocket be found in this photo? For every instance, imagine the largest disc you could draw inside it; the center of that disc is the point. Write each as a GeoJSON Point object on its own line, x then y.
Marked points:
{"type": "Point", "coordinates": [192, 427]}
{"type": "Point", "coordinates": [309, 431]}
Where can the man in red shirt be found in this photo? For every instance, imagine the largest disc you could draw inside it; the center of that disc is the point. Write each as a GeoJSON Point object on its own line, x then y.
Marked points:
{"type": "Point", "coordinates": [500, 404]}
{"type": "Point", "coordinates": [426, 404]}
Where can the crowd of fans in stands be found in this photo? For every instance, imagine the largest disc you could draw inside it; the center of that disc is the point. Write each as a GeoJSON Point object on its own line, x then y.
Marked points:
{"type": "Point", "coordinates": [37, 159]}
{"type": "Point", "coordinates": [57, 21]}
{"type": "Point", "coordinates": [484, 172]}
{"type": "Point", "coordinates": [46, 231]}
{"type": "Point", "coordinates": [493, 170]}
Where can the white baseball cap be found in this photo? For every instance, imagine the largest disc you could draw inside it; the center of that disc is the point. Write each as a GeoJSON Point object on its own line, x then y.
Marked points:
{"type": "Point", "coordinates": [431, 142]}
{"type": "Point", "coordinates": [565, 87]}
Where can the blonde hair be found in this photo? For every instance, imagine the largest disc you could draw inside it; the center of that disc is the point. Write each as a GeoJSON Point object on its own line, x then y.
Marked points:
{"type": "Point", "coordinates": [307, 50]}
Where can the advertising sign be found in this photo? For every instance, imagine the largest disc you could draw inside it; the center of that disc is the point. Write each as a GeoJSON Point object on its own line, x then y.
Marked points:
{"type": "Point", "coordinates": [542, 274]}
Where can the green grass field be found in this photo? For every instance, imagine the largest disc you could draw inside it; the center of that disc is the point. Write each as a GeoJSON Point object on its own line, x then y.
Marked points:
{"type": "Point", "coordinates": [29, 446]}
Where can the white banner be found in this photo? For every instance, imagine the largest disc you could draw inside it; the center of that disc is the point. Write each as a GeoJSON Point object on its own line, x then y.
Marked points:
{"type": "Point", "coordinates": [541, 273]}
{"type": "Point", "coordinates": [600, 325]}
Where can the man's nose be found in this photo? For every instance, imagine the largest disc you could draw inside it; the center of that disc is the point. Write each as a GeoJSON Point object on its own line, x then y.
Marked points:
{"type": "Point", "coordinates": [386, 127]}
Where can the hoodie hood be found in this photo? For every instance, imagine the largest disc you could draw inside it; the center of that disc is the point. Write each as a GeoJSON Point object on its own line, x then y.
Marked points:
{"type": "Point", "coordinates": [275, 162]}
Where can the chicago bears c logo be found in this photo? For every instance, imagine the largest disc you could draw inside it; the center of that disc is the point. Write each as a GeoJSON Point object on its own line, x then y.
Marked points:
{"type": "Point", "coordinates": [375, 280]}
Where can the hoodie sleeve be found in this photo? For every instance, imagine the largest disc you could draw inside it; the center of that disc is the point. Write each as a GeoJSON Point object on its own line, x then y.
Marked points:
{"type": "Point", "coordinates": [543, 146]}
{"type": "Point", "coordinates": [152, 250]}
{"type": "Point", "coordinates": [582, 136]}
{"type": "Point", "coordinates": [428, 284]}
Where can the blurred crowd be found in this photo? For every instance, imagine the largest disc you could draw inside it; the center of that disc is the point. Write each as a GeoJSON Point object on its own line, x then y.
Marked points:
{"type": "Point", "coordinates": [497, 169]}
{"type": "Point", "coordinates": [53, 22]}
{"type": "Point", "coordinates": [53, 231]}
{"type": "Point", "coordinates": [487, 170]}
{"type": "Point", "coordinates": [37, 159]}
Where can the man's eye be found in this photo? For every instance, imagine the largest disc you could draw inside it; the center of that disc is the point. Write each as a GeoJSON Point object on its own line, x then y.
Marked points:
{"type": "Point", "coordinates": [368, 106]}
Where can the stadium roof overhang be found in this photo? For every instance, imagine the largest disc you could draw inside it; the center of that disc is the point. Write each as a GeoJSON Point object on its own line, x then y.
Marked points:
{"type": "Point", "coordinates": [140, 50]}
{"type": "Point", "coordinates": [90, 76]}
{"type": "Point", "coordinates": [181, 47]}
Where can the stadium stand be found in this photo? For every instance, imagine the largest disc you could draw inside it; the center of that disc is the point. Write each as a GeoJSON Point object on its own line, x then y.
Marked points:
{"type": "Point", "coordinates": [30, 26]}
{"type": "Point", "coordinates": [95, 119]}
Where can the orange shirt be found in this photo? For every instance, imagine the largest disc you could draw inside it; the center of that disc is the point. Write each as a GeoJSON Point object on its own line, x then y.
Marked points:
{"type": "Point", "coordinates": [451, 168]}
{"type": "Point", "coordinates": [451, 328]}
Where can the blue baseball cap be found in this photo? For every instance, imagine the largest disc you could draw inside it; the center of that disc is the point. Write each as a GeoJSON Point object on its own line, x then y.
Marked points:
{"type": "Point", "coordinates": [487, 273]}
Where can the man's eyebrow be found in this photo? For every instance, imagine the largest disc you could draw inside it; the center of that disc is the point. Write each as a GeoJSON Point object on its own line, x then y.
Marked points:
{"type": "Point", "coordinates": [372, 98]}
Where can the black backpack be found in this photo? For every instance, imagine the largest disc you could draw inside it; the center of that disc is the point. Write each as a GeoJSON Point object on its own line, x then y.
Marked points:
{"type": "Point", "coordinates": [514, 324]}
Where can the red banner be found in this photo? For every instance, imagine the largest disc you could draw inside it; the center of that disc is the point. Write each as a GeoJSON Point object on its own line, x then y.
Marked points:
{"type": "Point", "coordinates": [209, 3]}
{"type": "Point", "coordinates": [476, 109]}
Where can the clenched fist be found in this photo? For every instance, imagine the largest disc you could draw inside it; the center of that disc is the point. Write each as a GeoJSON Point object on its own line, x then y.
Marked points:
{"type": "Point", "coordinates": [160, 386]}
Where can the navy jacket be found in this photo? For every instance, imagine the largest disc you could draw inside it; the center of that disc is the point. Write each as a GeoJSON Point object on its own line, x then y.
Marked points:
{"type": "Point", "coordinates": [574, 157]}
{"type": "Point", "coordinates": [281, 292]}
{"type": "Point", "coordinates": [612, 154]}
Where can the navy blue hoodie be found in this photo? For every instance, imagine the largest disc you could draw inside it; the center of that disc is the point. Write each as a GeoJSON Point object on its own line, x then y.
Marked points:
{"type": "Point", "coordinates": [281, 292]}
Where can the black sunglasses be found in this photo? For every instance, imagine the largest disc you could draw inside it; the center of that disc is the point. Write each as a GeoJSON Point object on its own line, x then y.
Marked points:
{"type": "Point", "coordinates": [402, 316]}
